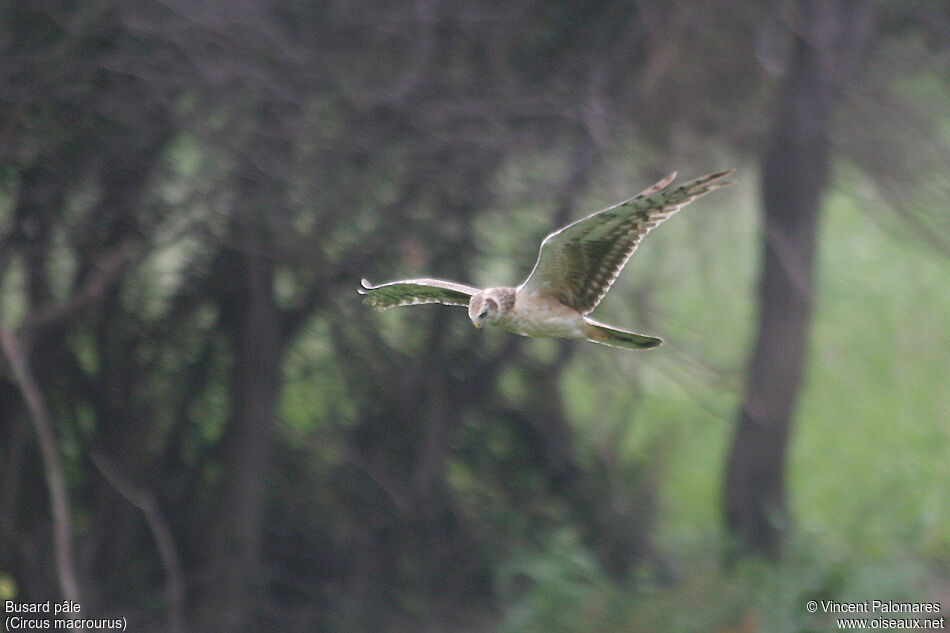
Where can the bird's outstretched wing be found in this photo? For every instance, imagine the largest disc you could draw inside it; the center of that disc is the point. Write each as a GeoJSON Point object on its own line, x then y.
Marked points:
{"type": "Point", "coordinates": [579, 262]}
{"type": "Point", "coordinates": [414, 291]}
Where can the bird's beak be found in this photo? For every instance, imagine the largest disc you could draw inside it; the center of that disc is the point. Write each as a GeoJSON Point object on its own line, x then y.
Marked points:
{"type": "Point", "coordinates": [477, 325]}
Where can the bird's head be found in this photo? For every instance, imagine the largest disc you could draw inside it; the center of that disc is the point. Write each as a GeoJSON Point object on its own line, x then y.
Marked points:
{"type": "Point", "coordinates": [483, 309]}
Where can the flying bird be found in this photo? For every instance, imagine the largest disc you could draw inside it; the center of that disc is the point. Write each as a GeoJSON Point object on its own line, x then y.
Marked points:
{"type": "Point", "coordinates": [576, 266]}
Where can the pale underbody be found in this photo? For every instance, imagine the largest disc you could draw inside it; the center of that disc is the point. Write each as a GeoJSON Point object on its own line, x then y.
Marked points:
{"type": "Point", "coordinates": [534, 315]}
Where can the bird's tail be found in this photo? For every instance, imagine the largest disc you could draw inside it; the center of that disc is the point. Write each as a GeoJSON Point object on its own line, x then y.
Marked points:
{"type": "Point", "coordinates": [606, 335]}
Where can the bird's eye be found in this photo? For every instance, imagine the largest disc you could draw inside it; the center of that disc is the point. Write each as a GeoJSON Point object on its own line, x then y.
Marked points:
{"type": "Point", "coordinates": [483, 314]}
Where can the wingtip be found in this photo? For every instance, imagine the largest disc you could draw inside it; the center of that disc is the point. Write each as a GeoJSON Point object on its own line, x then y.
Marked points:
{"type": "Point", "coordinates": [712, 181]}
{"type": "Point", "coordinates": [371, 300]}
{"type": "Point", "coordinates": [656, 187]}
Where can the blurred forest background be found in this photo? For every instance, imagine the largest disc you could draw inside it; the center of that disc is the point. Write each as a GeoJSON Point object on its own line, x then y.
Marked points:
{"type": "Point", "coordinates": [202, 428]}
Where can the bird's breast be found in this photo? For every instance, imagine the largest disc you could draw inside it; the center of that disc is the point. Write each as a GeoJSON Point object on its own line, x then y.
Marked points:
{"type": "Point", "coordinates": [542, 316]}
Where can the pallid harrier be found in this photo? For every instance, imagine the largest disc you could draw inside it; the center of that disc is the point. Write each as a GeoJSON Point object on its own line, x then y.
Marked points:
{"type": "Point", "coordinates": [575, 268]}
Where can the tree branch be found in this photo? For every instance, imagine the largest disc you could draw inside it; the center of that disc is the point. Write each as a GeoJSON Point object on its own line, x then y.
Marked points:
{"type": "Point", "coordinates": [161, 532]}
{"type": "Point", "coordinates": [46, 436]}
{"type": "Point", "coordinates": [107, 271]}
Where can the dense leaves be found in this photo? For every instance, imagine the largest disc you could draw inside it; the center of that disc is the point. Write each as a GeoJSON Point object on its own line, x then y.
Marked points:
{"type": "Point", "coordinates": [189, 196]}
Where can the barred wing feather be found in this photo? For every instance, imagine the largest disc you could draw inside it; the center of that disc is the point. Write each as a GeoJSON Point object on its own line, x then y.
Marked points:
{"type": "Point", "coordinates": [416, 291]}
{"type": "Point", "coordinates": [578, 263]}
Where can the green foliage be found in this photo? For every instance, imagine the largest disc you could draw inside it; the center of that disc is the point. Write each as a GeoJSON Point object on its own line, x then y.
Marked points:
{"type": "Point", "coordinates": [868, 463]}
{"type": "Point", "coordinates": [872, 441]}
{"type": "Point", "coordinates": [873, 444]}
{"type": "Point", "coordinates": [560, 588]}
{"type": "Point", "coordinates": [252, 162]}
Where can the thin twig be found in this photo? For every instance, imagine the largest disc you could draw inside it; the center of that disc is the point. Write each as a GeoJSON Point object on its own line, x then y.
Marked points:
{"type": "Point", "coordinates": [161, 532]}
{"type": "Point", "coordinates": [108, 269]}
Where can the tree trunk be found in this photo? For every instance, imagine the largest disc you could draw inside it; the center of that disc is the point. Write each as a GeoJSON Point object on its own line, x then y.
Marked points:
{"type": "Point", "coordinates": [236, 542]}
{"type": "Point", "coordinates": [828, 36]}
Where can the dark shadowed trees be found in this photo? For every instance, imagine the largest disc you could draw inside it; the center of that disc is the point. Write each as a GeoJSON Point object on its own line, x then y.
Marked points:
{"type": "Point", "coordinates": [189, 194]}
{"type": "Point", "coordinates": [830, 39]}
